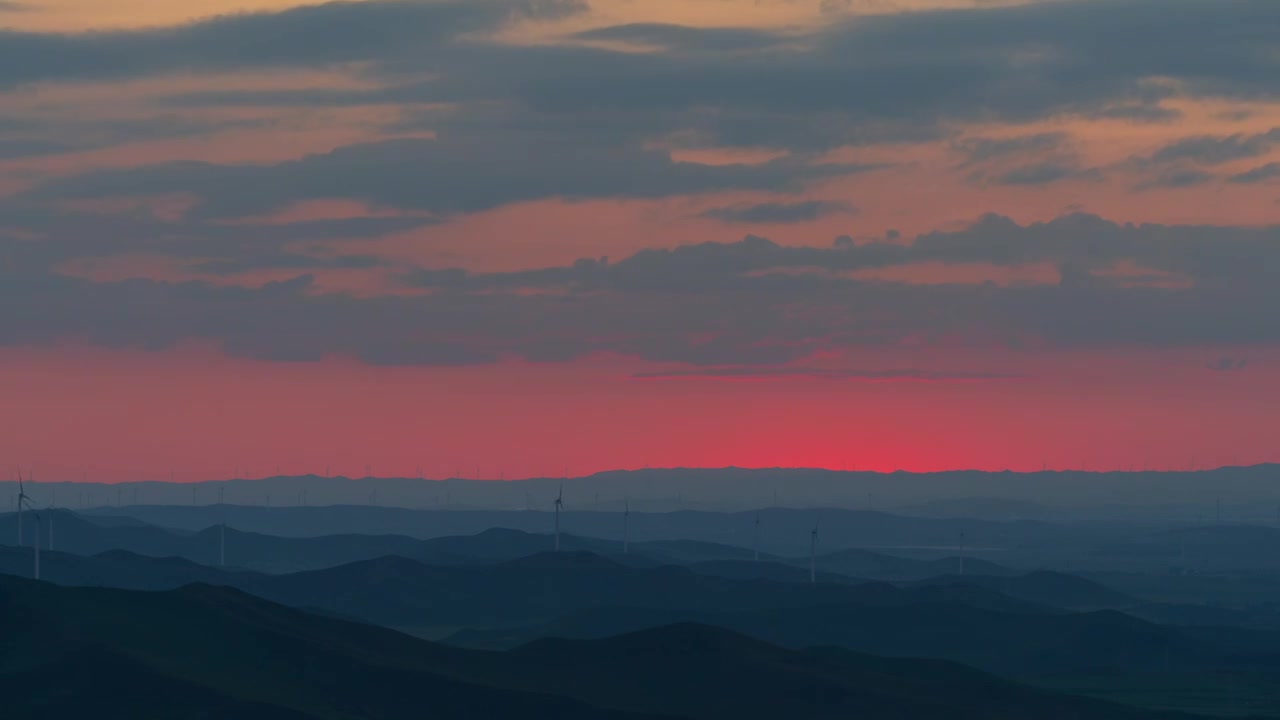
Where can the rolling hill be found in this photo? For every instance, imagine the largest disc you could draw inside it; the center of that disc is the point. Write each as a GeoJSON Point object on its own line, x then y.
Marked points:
{"type": "Point", "coordinates": [208, 652]}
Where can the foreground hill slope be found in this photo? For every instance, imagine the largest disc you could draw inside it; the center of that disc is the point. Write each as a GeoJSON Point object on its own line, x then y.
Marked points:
{"type": "Point", "coordinates": [217, 649]}
{"type": "Point", "coordinates": [209, 652]}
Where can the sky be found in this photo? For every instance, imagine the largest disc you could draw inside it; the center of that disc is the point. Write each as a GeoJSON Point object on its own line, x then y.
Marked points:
{"type": "Point", "coordinates": [513, 238]}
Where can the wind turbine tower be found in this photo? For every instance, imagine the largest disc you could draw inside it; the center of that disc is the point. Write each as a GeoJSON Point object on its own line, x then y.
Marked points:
{"type": "Point", "coordinates": [36, 573]}
{"type": "Point", "coordinates": [559, 506]}
{"type": "Point", "coordinates": [23, 499]}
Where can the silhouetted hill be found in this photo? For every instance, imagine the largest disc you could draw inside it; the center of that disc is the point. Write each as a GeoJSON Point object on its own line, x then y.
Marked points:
{"type": "Point", "coordinates": [763, 570]}
{"type": "Point", "coordinates": [1265, 616]}
{"type": "Point", "coordinates": [983, 508]}
{"type": "Point", "coordinates": [205, 652]}
{"type": "Point", "coordinates": [782, 531]}
{"type": "Point", "coordinates": [404, 593]}
{"type": "Point", "coordinates": [1048, 589]}
{"type": "Point", "coordinates": [241, 655]}
{"type": "Point", "coordinates": [1013, 644]}
{"type": "Point", "coordinates": [558, 561]}
{"type": "Point", "coordinates": [97, 682]}
{"type": "Point", "coordinates": [878, 566]}
{"type": "Point", "coordinates": [75, 533]}
{"type": "Point", "coordinates": [114, 568]}
{"type": "Point", "coordinates": [90, 535]}
{"type": "Point", "coordinates": [709, 672]}
{"type": "Point", "coordinates": [1203, 549]}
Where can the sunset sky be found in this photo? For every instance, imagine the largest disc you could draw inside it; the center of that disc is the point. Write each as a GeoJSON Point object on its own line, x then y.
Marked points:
{"type": "Point", "coordinates": [508, 237]}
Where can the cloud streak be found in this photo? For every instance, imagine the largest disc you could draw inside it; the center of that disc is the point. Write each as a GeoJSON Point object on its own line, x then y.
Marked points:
{"type": "Point", "coordinates": [842, 375]}
{"type": "Point", "coordinates": [446, 176]}
{"type": "Point", "coordinates": [767, 213]}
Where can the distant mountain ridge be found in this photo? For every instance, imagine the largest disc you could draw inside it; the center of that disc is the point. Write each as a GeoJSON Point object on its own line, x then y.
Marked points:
{"type": "Point", "coordinates": [1074, 493]}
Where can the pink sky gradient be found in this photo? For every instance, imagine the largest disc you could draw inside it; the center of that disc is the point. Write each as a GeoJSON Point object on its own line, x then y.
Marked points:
{"type": "Point", "coordinates": [113, 410]}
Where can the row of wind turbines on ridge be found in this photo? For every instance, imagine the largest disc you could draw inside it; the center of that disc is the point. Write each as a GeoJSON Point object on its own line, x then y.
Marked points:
{"type": "Point", "coordinates": [25, 504]}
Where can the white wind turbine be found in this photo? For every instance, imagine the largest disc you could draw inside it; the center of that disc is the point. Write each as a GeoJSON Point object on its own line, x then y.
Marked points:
{"type": "Point", "coordinates": [23, 499]}
{"type": "Point", "coordinates": [559, 506]}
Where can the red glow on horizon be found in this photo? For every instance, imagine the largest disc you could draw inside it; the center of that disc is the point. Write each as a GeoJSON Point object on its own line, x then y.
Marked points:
{"type": "Point", "coordinates": [129, 415]}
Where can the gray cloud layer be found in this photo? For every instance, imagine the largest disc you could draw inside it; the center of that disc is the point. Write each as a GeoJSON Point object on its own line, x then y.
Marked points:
{"type": "Point", "coordinates": [448, 175]}
{"type": "Point", "coordinates": [305, 37]}
{"type": "Point", "coordinates": [738, 304]}
{"type": "Point", "coordinates": [862, 80]}
{"type": "Point", "coordinates": [521, 123]}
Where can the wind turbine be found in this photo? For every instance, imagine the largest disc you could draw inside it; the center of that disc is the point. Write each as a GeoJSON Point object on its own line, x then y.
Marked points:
{"type": "Point", "coordinates": [24, 499]}
{"type": "Point", "coordinates": [559, 506]}
{"type": "Point", "coordinates": [36, 573]}
{"type": "Point", "coordinates": [813, 553]}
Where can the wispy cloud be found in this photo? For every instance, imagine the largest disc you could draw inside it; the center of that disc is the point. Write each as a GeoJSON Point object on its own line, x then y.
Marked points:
{"type": "Point", "coordinates": [766, 213]}
{"type": "Point", "coordinates": [1228, 364]}
{"type": "Point", "coordinates": [749, 374]}
{"type": "Point", "coordinates": [1215, 149]}
{"type": "Point", "coordinates": [1270, 171]}
{"type": "Point", "coordinates": [1176, 178]}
